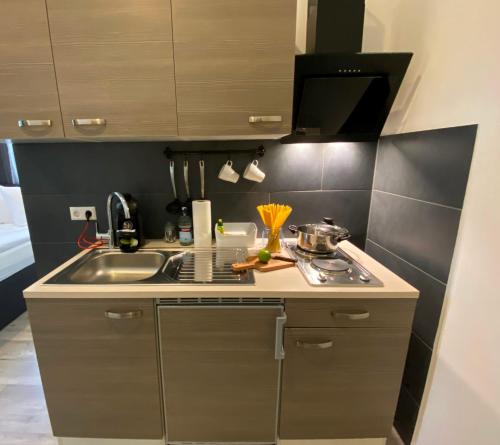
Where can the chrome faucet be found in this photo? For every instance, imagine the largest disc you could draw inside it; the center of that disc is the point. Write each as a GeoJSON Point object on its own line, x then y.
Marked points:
{"type": "Point", "coordinates": [110, 234]}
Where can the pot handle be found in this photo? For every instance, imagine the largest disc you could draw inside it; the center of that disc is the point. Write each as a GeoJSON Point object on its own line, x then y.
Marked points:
{"type": "Point", "coordinates": [293, 229]}
{"type": "Point", "coordinates": [344, 237]}
{"type": "Point", "coordinates": [328, 221]}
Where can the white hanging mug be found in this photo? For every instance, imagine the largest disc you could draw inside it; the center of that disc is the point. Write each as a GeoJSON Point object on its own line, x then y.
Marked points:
{"type": "Point", "coordinates": [253, 172]}
{"type": "Point", "coordinates": [227, 173]}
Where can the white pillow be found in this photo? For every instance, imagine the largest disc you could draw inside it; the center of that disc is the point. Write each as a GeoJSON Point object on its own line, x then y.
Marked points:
{"type": "Point", "coordinates": [14, 200]}
{"type": "Point", "coordinates": [4, 211]}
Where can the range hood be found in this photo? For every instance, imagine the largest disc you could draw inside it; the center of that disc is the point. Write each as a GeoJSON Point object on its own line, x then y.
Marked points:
{"type": "Point", "coordinates": [340, 93]}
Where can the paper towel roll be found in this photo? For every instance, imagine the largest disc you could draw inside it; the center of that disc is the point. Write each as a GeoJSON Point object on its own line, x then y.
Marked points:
{"type": "Point", "coordinates": [203, 266]}
{"type": "Point", "coordinates": [202, 223]}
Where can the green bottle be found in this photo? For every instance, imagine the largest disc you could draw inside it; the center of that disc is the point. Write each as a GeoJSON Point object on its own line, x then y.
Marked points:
{"type": "Point", "coordinates": [220, 226]}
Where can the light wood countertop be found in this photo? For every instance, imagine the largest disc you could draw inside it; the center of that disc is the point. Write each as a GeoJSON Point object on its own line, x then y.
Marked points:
{"type": "Point", "coordinates": [286, 283]}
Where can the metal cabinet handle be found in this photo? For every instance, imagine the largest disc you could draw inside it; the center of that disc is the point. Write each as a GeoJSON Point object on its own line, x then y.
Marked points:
{"type": "Point", "coordinates": [352, 315]}
{"type": "Point", "coordinates": [123, 315]}
{"type": "Point", "coordinates": [257, 119]}
{"type": "Point", "coordinates": [34, 123]}
{"type": "Point", "coordinates": [321, 345]}
{"type": "Point", "coordinates": [88, 122]}
{"type": "Point", "coordinates": [279, 350]}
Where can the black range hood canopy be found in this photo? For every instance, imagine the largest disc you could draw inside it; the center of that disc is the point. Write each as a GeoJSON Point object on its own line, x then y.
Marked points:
{"type": "Point", "coordinates": [344, 97]}
{"type": "Point", "coordinates": [341, 94]}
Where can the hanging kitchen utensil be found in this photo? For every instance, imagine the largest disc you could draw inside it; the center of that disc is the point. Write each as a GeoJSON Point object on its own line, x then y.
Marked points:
{"type": "Point", "coordinates": [175, 206]}
{"type": "Point", "coordinates": [202, 178]}
{"type": "Point", "coordinates": [189, 202]}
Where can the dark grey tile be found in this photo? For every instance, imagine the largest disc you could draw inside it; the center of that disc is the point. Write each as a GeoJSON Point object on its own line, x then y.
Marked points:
{"type": "Point", "coordinates": [430, 301]}
{"type": "Point", "coordinates": [92, 167]}
{"type": "Point", "coordinates": [421, 233]}
{"type": "Point", "coordinates": [50, 255]}
{"type": "Point", "coordinates": [238, 207]}
{"type": "Point", "coordinates": [153, 214]}
{"type": "Point", "coordinates": [49, 218]}
{"type": "Point", "coordinates": [428, 165]}
{"type": "Point", "coordinates": [347, 208]}
{"type": "Point", "coordinates": [417, 364]}
{"type": "Point", "coordinates": [406, 416]}
{"type": "Point", "coordinates": [349, 165]}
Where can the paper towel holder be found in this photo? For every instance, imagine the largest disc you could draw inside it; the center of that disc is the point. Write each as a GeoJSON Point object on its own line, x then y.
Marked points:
{"type": "Point", "coordinates": [260, 151]}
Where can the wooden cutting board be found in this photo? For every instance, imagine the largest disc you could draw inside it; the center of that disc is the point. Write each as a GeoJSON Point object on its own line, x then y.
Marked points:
{"type": "Point", "coordinates": [253, 262]}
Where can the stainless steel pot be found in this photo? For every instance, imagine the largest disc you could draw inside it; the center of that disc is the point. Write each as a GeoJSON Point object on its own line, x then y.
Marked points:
{"type": "Point", "coordinates": [319, 238]}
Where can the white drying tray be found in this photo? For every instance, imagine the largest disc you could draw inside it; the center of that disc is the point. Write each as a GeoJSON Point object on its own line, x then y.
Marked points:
{"type": "Point", "coordinates": [236, 235]}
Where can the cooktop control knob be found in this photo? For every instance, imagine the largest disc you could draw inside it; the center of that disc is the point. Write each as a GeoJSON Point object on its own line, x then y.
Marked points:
{"type": "Point", "coordinates": [322, 278]}
{"type": "Point", "coordinates": [364, 278]}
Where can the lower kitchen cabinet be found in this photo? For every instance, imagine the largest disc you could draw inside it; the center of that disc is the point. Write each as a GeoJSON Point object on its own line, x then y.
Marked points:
{"type": "Point", "coordinates": [220, 374]}
{"type": "Point", "coordinates": [98, 363]}
{"type": "Point", "coordinates": [341, 382]}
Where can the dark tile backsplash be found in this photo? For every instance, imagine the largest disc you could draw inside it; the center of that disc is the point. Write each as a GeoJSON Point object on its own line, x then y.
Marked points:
{"type": "Point", "coordinates": [348, 166]}
{"type": "Point", "coordinates": [422, 233]}
{"type": "Point", "coordinates": [431, 290]}
{"type": "Point", "coordinates": [418, 191]}
{"type": "Point", "coordinates": [429, 165]}
{"type": "Point", "coordinates": [54, 176]}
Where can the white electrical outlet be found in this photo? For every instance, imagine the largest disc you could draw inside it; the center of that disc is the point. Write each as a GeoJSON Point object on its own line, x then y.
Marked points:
{"type": "Point", "coordinates": [78, 213]}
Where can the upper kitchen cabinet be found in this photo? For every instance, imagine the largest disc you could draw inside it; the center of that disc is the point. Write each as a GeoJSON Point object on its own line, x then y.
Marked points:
{"type": "Point", "coordinates": [234, 63]}
{"type": "Point", "coordinates": [29, 106]}
{"type": "Point", "coordinates": [115, 67]}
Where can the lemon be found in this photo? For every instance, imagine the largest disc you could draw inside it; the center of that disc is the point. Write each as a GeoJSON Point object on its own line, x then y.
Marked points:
{"type": "Point", "coordinates": [264, 255]}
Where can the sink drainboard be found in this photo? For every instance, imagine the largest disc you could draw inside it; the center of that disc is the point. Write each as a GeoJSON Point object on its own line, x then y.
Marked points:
{"type": "Point", "coordinates": [211, 266]}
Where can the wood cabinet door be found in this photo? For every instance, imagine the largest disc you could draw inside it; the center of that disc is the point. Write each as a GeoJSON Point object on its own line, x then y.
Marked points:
{"type": "Point", "coordinates": [234, 59]}
{"type": "Point", "coordinates": [220, 375]}
{"type": "Point", "coordinates": [99, 373]}
{"type": "Point", "coordinates": [341, 382]}
{"type": "Point", "coordinates": [28, 90]}
{"type": "Point", "coordinates": [115, 68]}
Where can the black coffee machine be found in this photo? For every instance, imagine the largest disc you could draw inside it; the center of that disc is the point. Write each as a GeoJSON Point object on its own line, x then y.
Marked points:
{"type": "Point", "coordinates": [129, 234]}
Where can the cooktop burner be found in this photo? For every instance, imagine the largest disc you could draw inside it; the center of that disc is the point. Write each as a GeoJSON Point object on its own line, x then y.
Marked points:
{"type": "Point", "coordinates": [332, 269]}
{"type": "Point", "coordinates": [329, 265]}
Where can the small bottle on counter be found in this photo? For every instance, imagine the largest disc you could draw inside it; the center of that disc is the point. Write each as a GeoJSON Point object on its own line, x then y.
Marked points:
{"type": "Point", "coordinates": [185, 225]}
{"type": "Point", "coordinates": [220, 226]}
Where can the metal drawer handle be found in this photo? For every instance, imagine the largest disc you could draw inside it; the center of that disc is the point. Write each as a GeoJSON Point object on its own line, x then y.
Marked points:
{"type": "Point", "coordinates": [123, 315]}
{"type": "Point", "coordinates": [257, 119]}
{"type": "Point", "coordinates": [362, 315]}
{"type": "Point", "coordinates": [321, 345]}
{"type": "Point", "coordinates": [279, 350]}
{"type": "Point", "coordinates": [34, 123]}
{"type": "Point", "coordinates": [88, 122]}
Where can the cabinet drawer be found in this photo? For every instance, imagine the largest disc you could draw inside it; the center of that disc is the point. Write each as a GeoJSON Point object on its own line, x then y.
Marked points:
{"type": "Point", "coordinates": [350, 313]}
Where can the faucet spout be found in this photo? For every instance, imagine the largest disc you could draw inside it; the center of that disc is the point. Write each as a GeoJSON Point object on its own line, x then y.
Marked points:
{"type": "Point", "coordinates": [110, 235]}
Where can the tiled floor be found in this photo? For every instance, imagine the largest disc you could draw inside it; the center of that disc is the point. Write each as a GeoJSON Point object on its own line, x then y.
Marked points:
{"type": "Point", "coordinates": [23, 414]}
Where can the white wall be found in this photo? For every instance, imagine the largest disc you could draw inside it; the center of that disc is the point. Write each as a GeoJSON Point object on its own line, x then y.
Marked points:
{"type": "Point", "coordinates": [454, 80]}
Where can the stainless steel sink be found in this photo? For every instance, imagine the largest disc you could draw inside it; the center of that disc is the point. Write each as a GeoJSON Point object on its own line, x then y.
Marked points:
{"type": "Point", "coordinates": [155, 267]}
{"type": "Point", "coordinates": [115, 267]}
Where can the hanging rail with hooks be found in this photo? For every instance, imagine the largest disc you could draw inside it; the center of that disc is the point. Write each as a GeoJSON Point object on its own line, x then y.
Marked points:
{"type": "Point", "coordinates": [169, 153]}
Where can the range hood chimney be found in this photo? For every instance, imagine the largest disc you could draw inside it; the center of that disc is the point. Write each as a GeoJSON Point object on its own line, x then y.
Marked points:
{"type": "Point", "coordinates": [340, 93]}
{"type": "Point", "coordinates": [335, 26]}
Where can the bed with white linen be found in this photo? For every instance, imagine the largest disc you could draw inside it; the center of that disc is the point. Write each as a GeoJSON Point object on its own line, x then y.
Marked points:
{"type": "Point", "coordinates": [15, 250]}
{"type": "Point", "coordinates": [17, 269]}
